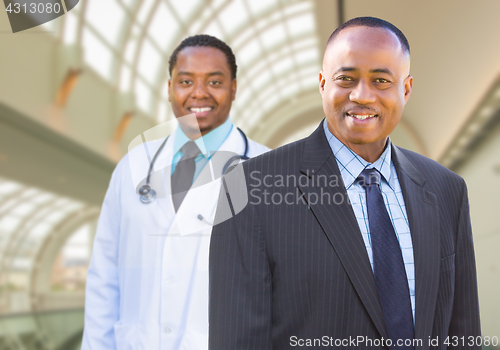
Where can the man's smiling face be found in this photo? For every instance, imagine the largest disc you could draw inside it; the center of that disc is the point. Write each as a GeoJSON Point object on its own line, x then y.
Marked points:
{"type": "Point", "coordinates": [365, 84]}
{"type": "Point", "coordinates": [202, 84]}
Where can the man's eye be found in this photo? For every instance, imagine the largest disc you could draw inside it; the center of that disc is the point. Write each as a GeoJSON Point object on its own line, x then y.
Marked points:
{"type": "Point", "coordinates": [185, 82]}
{"type": "Point", "coordinates": [381, 80]}
{"type": "Point", "coordinates": [344, 78]}
{"type": "Point", "coordinates": [215, 82]}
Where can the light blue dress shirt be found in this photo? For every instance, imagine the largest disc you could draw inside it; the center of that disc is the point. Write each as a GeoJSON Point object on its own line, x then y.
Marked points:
{"type": "Point", "coordinates": [212, 141]}
{"type": "Point", "coordinates": [351, 165]}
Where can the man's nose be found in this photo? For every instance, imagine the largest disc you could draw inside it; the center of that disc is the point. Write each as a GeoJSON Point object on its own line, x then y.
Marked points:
{"type": "Point", "coordinates": [200, 90]}
{"type": "Point", "coordinates": [362, 93]}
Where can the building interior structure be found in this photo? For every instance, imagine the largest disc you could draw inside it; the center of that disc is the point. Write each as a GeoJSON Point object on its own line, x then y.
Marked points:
{"type": "Point", "coordinates": [75, 92]}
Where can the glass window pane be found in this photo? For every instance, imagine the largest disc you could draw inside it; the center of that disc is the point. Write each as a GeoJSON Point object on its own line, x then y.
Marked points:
{"type": "Point", "coordinates": [129, 3]}
{"type": "Point", "coordinates": [289, 88]}
{"type": "Point", "coordinates": [9, 223]}
{"type": "Point", "coordinates": [55, 216]}
{"type": "Point", "coordinates": [249, 52]}
{"type": "Point", "coordinates": [23, 209]}
{"type": "Point", "coordinates": [185, 8]}
{"type": "Point", "coordinates": [97, 55]}
{"type": "Point", "coordinates": [304, 43]}
{"type": "Point", "coordinates": [125, 79]}
{"type": "Point", "coordinates": [21, 264]}
{"type": "Point", "coordinates": [306, 56]}
{"type": "Point", "coordinates": [214, 30]}
{"type": "Point", "coordinates": [39, 231]}
{"type": "Point", "coordinates": [149, 62]}
{"type": "Point", "coordinates": [301, 24]}
{"type": "Point", "coordinates": [215, 4]}
{"type": "Point", "coordinates": [52, 26]}
{"type": "Point", "coordinates": [143, 96]}
{"type": "Point", "coordinates": [246, 35]}
{"type": "Point", "coordinates": [233, 16]}
{"type": "Point", "coordinates": [7, 188]}
{"type": "Point", "coordinates": [195, 26]}
{"type": "Point", "coordinates": [277, 54]}
{"type": "Point", "coordinates": [164, 90]}
{"type": "Point", "coordinates": [42, 198]}
{"type": "Point", "coordinates": [261, 80]}
{"type": "Point", "coordinates": [270, 101]}
{"type": "Point", "coordinates": [254, 69]}
{"type": "Point", "coordinates": [70, 28]}
{"type": "Point", "coordinates": [273, 35]}
{"type": "Point", "coordinates": [298, 7]}
{"type": "Point", "coordinates": [130, 50]}
{"type": "Point", "coordinates": [257, 7]}
{"type": "Point", "coordinates": [242, 97]}
{"type": "Point", "coordinates": [107, 18]}
{"type": "Point", "coordinates": [282, 66]}
{"type": "Point", "coordinates": [309, 76]}
{"type": "Point", "coordinates": [164, 26]}
{"type": "Point", "coordinates": [162, 112]}
{"type": "Point", "coordinates": [144, 10]}
{"type": "Point", "coordinates": [70, 266]}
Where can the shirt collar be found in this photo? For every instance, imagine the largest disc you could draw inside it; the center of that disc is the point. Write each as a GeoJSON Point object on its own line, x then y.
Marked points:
{"type": "Point", "coordinates": [208, 143]}
{"type": "Point", "coordinates": [351, 165]}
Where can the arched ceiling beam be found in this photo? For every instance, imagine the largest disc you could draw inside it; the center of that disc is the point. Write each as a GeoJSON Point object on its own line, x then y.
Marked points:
{"type": "Point", "coordinates": [52, 244]}
{"type": "Point", "coordinates": [267, 126]}
{"type": "Point", "coordinates": [15, 241]}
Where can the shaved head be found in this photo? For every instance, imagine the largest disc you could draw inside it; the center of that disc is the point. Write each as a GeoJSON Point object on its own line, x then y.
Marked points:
{"type": "Point", "coordinates": [372, 22]}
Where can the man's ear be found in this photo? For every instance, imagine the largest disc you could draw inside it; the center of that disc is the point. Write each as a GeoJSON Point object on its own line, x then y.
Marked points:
{"type": "Point", "coordinates": [233, 89]}
{"type": "Point", "coordinates": [322, 81]}
{"type": "Point", "coordinates": [169, 84]}
{"type": "Point", "coordinates": [408, 85]}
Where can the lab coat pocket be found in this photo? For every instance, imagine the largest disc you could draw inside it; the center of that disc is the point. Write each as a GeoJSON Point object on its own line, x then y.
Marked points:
{"type": "Point", "coordinates": [202, 263]}
{"type": "Point", "coordinates": [125, 336]}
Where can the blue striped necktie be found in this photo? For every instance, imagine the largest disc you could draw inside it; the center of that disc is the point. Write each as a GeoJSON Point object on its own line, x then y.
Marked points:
{"type": "Point", "coordinates": [388, 264]}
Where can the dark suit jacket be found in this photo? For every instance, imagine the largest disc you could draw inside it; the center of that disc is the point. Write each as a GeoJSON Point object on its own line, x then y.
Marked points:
{"type": "Point", "coordinates": [290, 267]}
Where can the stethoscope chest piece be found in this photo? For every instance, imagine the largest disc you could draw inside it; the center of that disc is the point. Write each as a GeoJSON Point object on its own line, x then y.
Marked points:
{"type": "Point", "coordinates": [147, 194]}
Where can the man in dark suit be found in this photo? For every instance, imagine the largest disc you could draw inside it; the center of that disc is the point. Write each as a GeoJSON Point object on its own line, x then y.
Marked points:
{"type": "Point", "coordinates": [347, 240]}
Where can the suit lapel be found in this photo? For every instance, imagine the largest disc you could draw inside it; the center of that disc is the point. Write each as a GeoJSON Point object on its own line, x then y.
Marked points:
{"type": "Point", "coordinates": [338, 221]}
{"type": "Point", "coordinates": [423, 217]}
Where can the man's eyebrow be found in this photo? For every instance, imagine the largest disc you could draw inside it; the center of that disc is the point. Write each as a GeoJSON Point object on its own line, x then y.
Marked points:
{"type": "Point", "coordinates": [209, 74]}
{"type": "Point", "coordinates": [215, 73]}
{"type": "Point", "coordinates": [352, 69]}
{"type": "Point", "coordinates": [346, 69]}
{"type": "Point", "coordinates": [381, 70]}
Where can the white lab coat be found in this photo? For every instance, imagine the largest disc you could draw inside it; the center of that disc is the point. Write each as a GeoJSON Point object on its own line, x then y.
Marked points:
{"type": "Point", "coordinates": [147, 284]}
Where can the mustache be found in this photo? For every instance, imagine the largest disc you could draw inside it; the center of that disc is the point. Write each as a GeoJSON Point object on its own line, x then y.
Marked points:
{"type": "Point", "coordinates": [358, 107]}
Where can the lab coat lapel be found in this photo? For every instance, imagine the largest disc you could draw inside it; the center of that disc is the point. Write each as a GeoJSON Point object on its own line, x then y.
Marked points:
{"type": "Point", "coordinates": [161, 178]}
{"type": "Point", "coordinates": [338, 221]}
{"type": "Point", "coordinates": [139, 160]}
{"type": "Point", "coordinates": [423, 218]}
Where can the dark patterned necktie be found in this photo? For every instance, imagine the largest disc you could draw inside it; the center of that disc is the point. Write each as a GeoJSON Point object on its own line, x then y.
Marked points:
{"type": "Point", "coordinates": [388, 264]}
{"type": "Point", "coordinates": [183, 175]}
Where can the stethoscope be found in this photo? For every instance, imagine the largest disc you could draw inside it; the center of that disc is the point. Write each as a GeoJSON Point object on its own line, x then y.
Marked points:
{"type": "Point", "coordinates": [148, 194]}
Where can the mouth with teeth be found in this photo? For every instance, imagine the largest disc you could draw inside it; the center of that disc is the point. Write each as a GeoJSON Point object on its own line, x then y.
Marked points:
{"type": "Point", "coordinates": [200, 109]}
{"type": "Point", "coordinates": [361, 116]}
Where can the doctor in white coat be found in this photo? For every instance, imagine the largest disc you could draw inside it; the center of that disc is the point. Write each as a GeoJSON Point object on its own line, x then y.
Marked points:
{"type": "Point", "coordinates": [147, 284]}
